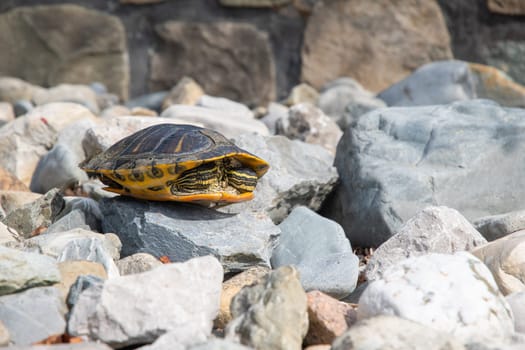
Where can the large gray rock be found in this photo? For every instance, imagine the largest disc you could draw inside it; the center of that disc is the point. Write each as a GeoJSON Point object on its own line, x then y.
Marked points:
{"type": "Point", "coordinates": [33, 315]}
{"type": "Point", "coordinates": [270, 314]}
{"type": "Point", "coordinates": [204, 51]}
{"type": "Point", "coordinates": [36, 216]}
{"type": "Point", "coordinates": [183, 231]}
{"type": "Point", "coordinates": [397, 161]}
{"type": "Point", "coordinates": [45, 56]}
{"type": "Point", "coordinates": [182, 298]}
{"type": "Point", "coordinates": [20, 270]}
{"type": "Point", "coordinates": [455, 294]}
{"type": "Point", "coordinates": [433, 230]}
{"type": "Point", "coordinates": [299, 174]}
{"type": "Point", "coordinates": [394, 333]}
{"type": "Point", "coordinates": [320, 251]}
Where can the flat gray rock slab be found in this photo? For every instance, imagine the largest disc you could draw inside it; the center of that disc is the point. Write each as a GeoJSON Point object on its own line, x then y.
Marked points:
{"type": "Point", "coordinates": [395, 162]}
{"type": "Point", "coordinates": [33, 315]}
{"type": "Point", "coordinates": [320, 251]}
{"type": "Point", "coordinates": [183, 231]}
{"type": "Point", "coordinates": [137, 309]}
{"type": "Point", "coordinates": [432, 230]}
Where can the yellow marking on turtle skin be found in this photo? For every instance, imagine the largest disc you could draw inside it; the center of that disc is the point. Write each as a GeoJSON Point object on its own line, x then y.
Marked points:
{"type": "Point", "coordinates": [244, 179]}
{"type": "Point", "coordinates": [179, 144]}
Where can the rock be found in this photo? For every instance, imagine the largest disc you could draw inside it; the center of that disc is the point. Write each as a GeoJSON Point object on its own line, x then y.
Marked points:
{"type": "Point", "coordinates": [4, 335]}
{"type": "Point", "coordinates": [20, 270]}
{"type": "Point", "coordinates": [497, 226]}
{"type": "Point", "coordinates": [448, 81]}
{"type": "Point", "coordinates": [137, 263]}
{"type": "Point", "coordinates": [7, 113]}
{"type": "Point", "coordinates": [182, 298]}
{"type": "Point", "coordinates": [33, 315]}
{"type": "Point", "coordinates": [71, 270]}
{"type": "Point", "coordinates": [231, 287]}
{"type": "Point", "coordinates": [227, 123]}
{"type": "Point", "coordinates": [13, 89]}
{"type": "Point", "coordinates": [79, 212]}
{"type": "Point", "coordinates": [22, 107]}
{"type": "Point", "coordinates": [7, 234]}
{"type": "Point", "coordinates": [26, 139]}
{"type": "Point", "coordinates": [394, 333]}
{"type": "Point", "coordinates": [176, 341]}
{"type": "Point", "coordinates": [254, 3]}
{"type": "Point", "coordinates": [350, 38]}
{"type": "Point", "coordinates": [36, 216]}
{"type": "Point", "coordinates": [302, 93]}
{"type": "Point", "coordinates": [224, 104]}
{"type": "Point", "coordinates": [345, 100]}
{"type": "Point", "coordinates": [270, 314]}
{"type": "Point", "coordinates": [307, 123]}
{"type": "Point", "coordinates": [89, 249]}
{"type": "Point", "coordinates": [455, 294]}
{"type": "Point", "coordinates": [432, 230]}
{"type": "Point", "coordinates": [115, 111]}
{"type": "Point", "coordinates": [320, 251]}
{"type": "Point", "coordinates": [183, 231]}
{"type": "Point", "coordinates": [328, 318]}
{"type": "Point", "coordinates": [506, 7]}
{"type": "Point", "coordinates": [218, 344]}
{"type": "Point", "coordinates": [143, 112]}
{"type": "Point", "coordinates": [517, 305]}
{"type": "Point", "coordinates": [80, 94]}
{"type": "Point", "coordinates": [11, 200]}
{"type": "Point", "coordinates": [186, 92]}
{"type": "Point", "coordinates": [275, 112]}
{"type": "Point", "coordinates": [505, 258]}
{"type": "Point", "coordinates": [204, 51]}
{"type": "Point", "coordinates": [300, 174]}
{"type": "Point", "coordinates": [140, 2]}
{"type": "Point", "coordinates": [9, 182]}
{"type": "Point", "coordinates": [151, 101]}
{"type": "Point", "coordinates": [397, 161]}
{"type": "Point", "coordinates": [100, 137]}
{"type": "Point", "coordinates": [65, 55]}
{"type": "Point", "coordinates": [90, 299]}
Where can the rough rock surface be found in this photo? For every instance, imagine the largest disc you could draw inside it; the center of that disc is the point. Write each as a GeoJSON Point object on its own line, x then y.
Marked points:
{"type": "Point", "coordinates": [231, 47]}
{"type": "Point", "coordinates": [271, 314]}
{"type": "Point", "coordinates": [183, 231]}
{"type": "Point", "coordinates": [91, 47]}
{"type": "Point", "coordinates": [320, 251]}
{"type": "Point", "coordinates": [182, 298]}
{"type": "Point", "coordinates": [455, 294]}
{"type": "Point", "coordinates": [71, 270]}
{"type": "Point", "coordinates": [505, 258]}
{"type": "Point", "coordinates": [432, 230]}
{"type": "Point", "coordinates": [9, 182]}
{"type": "Point", "coordinates": [137, 263]}
{"type": "Point", "coordinates": [507, 7]}
{"type": "Point", "coordinates": [517, 305]}
{"type": "Point", "coordinates": [186, 92]}
{"type": "Point", "coordinates": [497, 226]}
{"type": "Point", "coordinates": [377, 45]}
{"type": "Point", "coordinates": [397, 161]}
{"type": "Point", "coordinates": [300, 174]}
{"type": "Point", "coordinates": [394, 333]}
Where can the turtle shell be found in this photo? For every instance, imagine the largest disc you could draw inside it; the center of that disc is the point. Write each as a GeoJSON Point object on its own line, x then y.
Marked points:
{"type": "Point", "coordinates": [147, 163]}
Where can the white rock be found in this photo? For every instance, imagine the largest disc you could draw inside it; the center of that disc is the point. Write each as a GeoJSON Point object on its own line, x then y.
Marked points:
{"type": "Point", "coordinates": [505, 258]}
{"type": "Point", "coordinates": [517, 305]}
{"type": "Point", "coordinates": [137, 309]}
{"type": "Point", "coordinates": [81, 94]}
{"type": "Point", "coordinates": [451, 293]}
{"type": "Point", "coordinates": [224, 104]}
{"type": "Point", "coordinates": [7, 234]}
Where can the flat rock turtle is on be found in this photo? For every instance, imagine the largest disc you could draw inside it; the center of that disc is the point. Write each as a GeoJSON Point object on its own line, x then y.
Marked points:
{"type": "Point", "coordinates": [170, 162]}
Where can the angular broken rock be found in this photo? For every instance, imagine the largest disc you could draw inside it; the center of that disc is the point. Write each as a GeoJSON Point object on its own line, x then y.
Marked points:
{"type": "Point", "coordinates": [270, 314]}
{"type": "Point", "coordinates": [137, 309]}
{"type": "Point", "coordinates": [300, 174]}
{"type": "Point", "coordinates": [183, 231]}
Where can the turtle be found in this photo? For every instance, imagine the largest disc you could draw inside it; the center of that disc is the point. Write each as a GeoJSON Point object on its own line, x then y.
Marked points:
{"type": "Point", "coordinates": [177, 162]}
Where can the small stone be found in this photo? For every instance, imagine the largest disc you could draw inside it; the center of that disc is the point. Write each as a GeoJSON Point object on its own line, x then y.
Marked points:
{"type": "Point", "coordinates": [7, 113]}
{"type": "Point", "coordinates": [328, 318]}
{"type": "Point", "coordinates": [275, 112]}
{"type": "Point", "coordinates": [33, 315]}
{"type": "Point", "coordinates": [270, 314]}
{"type": "Point", "coordinates": [11, 200]}
{"type": "Point", "coordinates": [7, 234]}
{"type": "Point", "coordinates": [507, 7]}
{"type": "Point", "coordinates": [505, 258]}
{"type": "Point", "coordinates": [82, 283]}
{"type": "Point", "coordinates": [394, 333]}
{"type": "Point", "coordinates": [455, 294]}
{"type": "Point", "coordinates": [151, 101]}
{"type": "Point", "coordinates": [80, 94]}
{"type": "Point", "coordinates": [302, 93]}
{"type": "Point", "coordinates": [137, 263]}
{"type": "Point", "coordinates": [231, 287]}
{"type": "Point", "coordinates": [115, 111]}
{"type": "Point", "coordinates": [140, 2]}
{"type": "Point", "coordinates": [4, 335]}
{"type": "Point", "coordinates": [498, 226]}
{"type": "Point", "coordinates": [71, 270]}
{"type": "Point", "coordinates": [181, 298]}
{"type": "Point", "coordinates": [307, 123]}
{"type": "Point", "coordinates": [186, 92]}
{"type": "Point", "coordinates": [37, 215]}
{"type": "Point", "coordinates": [20, 270]}
{"type": "Point", "coordinates": [320, 251]}
{"type": "Point", "coordinates": [13, 89]}
{"type": "Point", "coordinates": [432, 230]}
{"type": "Point", "coordinates": [79, 212]}
{"type": "Point", "coordinates": [9, 182]}
{"type": "Point", "coordinates": [254, 3]}
{"type": "Point", "coordinates": [143, 112]}
{"type": "Point", "coordinates": [220, 103]}
{"type": "Point", "coordinates": [22, 107]}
